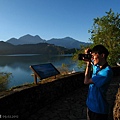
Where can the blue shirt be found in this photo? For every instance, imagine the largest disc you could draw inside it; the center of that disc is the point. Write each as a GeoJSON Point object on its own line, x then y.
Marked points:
{"type": "Point", "coordinates": [96, 100]}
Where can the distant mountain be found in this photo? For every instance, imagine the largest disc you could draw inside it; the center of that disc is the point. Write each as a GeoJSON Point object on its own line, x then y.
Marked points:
{"type": "Point", "coordinates": [26, 39]}
{"type": "Point", "coordinates": [66, 42]}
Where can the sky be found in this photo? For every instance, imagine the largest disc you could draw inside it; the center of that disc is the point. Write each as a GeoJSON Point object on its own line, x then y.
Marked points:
{"type": "Point", "coordinates": [52, 18]}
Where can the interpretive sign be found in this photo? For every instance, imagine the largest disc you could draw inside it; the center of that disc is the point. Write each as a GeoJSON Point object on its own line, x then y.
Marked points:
{"type": "Point", "coordinates": [43, 71]}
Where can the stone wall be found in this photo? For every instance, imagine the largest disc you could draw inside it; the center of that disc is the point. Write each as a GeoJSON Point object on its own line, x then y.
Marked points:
{"type": "Point", "coordinates": [23, 102]}
{"type": "Point", "coordinates": [116, 109]}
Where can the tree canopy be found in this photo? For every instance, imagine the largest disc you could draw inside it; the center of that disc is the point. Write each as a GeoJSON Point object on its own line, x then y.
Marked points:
{"type": "Point", "coordinates": [106, 31]}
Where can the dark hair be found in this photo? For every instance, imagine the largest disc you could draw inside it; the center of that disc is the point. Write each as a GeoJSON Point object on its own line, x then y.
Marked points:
{"type": "Point", "coordinates": [100, 49]}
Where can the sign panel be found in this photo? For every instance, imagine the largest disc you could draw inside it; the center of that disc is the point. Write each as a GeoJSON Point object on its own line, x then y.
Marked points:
{"type": "Point", "coordinates": [44, 70]}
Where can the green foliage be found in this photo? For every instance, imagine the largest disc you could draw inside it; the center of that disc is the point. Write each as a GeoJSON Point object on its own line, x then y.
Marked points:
{"type": "Point", "coordinates": [106, 31]}
{"type": "Point", "coordinates": [63, 69]}
{"type": "Point", "coordinates": [4, 79]}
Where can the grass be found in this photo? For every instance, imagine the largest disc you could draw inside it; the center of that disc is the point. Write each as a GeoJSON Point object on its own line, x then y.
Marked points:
{"type": "Point", "coordinates": [4, 79]}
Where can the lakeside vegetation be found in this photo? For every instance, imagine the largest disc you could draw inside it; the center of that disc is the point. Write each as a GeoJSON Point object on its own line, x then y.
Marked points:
{"type": "Point", "coordinates": [4, 79]}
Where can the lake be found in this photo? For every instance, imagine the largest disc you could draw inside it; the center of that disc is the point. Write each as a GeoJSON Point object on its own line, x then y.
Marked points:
{"type": "Point", "coordinates": [18, 65]}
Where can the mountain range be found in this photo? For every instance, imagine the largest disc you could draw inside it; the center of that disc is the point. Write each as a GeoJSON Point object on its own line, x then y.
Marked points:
{"type": "Point", "coordinates": [29, 44]}
{"type": "Point", "coordinates": [66, 42]}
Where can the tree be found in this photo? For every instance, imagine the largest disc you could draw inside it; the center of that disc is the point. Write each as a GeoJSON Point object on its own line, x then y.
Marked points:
{"type": "Point", "coordinates": [106, 31]}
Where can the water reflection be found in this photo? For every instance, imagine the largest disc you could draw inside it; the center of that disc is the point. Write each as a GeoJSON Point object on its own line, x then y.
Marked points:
{"type": "Point", "coordinates": [19, 66]}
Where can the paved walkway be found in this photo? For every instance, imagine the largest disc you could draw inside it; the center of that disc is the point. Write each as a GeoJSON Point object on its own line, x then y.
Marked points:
{"type": "Point", "coordinates": [73, 106]}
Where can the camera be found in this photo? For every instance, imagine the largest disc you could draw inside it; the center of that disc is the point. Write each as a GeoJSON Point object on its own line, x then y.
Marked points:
{"type": "Point", "coordinates": [85, 56]}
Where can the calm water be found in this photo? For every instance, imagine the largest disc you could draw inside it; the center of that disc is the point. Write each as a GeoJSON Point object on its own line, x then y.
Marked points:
{"type": "Point", "coordinates": [18, 65]}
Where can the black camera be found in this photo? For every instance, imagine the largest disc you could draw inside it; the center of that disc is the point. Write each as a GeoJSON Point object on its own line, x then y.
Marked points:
{"type": "Point", "coordinates": [84, 56]}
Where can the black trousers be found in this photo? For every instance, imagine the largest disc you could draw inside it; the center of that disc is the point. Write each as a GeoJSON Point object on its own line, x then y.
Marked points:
{"type": "Point", "coordinates": [97, 116]}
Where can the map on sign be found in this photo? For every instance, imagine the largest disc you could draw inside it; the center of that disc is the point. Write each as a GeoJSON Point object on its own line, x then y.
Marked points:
{"type": "Point", "coordinates": [44, 70]}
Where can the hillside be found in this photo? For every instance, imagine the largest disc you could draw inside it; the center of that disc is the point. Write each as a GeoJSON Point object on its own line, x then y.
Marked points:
{"type": "Point", "coordinates": [5, 47]}
{"type": "Point", "coordinates": [41, 48]}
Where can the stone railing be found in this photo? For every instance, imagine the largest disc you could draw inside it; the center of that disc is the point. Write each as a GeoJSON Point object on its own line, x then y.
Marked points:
{"type": "Point", "coordinates": [24, 101]}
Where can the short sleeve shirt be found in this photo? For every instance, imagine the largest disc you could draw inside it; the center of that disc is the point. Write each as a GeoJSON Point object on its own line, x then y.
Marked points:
{"type": "Point", "coordinates": [96, 100]}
